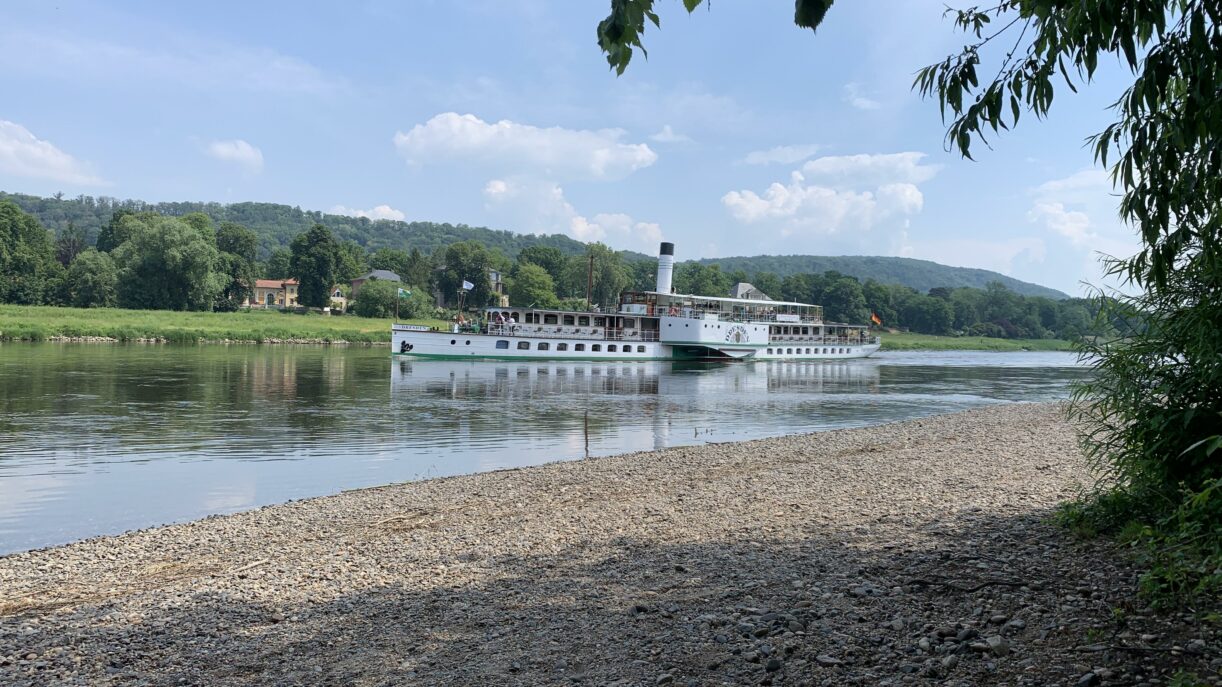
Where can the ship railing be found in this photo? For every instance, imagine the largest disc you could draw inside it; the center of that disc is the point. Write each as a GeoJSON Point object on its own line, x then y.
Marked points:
{"type": "Point", "coordinates": [820, 340]}
{"type": "Point", "coordinates": [582, 333]}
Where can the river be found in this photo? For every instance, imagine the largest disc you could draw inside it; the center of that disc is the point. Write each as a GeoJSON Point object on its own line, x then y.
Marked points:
{"type": "Point", "coordinates": [99, 439]}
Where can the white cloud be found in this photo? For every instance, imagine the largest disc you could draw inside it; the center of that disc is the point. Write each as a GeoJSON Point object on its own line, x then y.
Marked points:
{"type": "Point", "coordinates": [542, 208]}
{"type": "Point", "coordinates": [379, 212]}
{"type": "Point", "coordinates": [181, 61]}
{"type": "Point", "coordinates": [847, 196]}
{"type": "Point", "coordinates": [554, 151]}
{"type": "Point", "coordinates": [856, 170]}
{"type": "Point", "coordinates": [238, 152]}
{"type": "Point", "coordinates": [854, 97]}
{"type": "Point", "coordinates": [781, 155]}
{"type": "Point", "coordinates": [23, 154]}
{"type": "Point", "coordinates": [1072, 224]}
{"type": "Point", "coordinates": [668, 135]}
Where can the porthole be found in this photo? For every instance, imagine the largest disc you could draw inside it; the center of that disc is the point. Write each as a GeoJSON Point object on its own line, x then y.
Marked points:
{"type": "Point", "coordinates": [611, 348]}
{"type": "Point", "coordinates": [543, 346]}
{"type": "Point", "coordinates": [562, 347]}
{"type": "Point", "coordinates": [452, 342]}
{"type": "Point", "coordinates": [596, 348]}
{"type": "Point", "coordinates": [523, 345]}
{"type": "Point", "coordinates": [640, 349]}
{"type": "Point", "coordinates": [468, 342]}
{"type": "Point", "coordinates": [579, 347]}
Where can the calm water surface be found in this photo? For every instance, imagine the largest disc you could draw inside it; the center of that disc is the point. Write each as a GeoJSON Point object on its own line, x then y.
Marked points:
{"type": "Point", "coordinates": [98, 439]}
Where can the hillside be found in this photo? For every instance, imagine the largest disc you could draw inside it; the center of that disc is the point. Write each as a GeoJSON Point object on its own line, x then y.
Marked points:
{"type": "Point", "coordinates": [276, 225]}
{"type": "Point", "coordinates": [921, 275]}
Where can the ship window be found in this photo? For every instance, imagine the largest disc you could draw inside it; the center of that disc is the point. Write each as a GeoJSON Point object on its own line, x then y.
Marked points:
{"type": "Point", "coordinates": [808, 351]}
{"type": "Point", "coordinates": [452, 342]}
{"type": "Point", "coordinates": [568, 320]}
{"type": "Point", "coordinates": [769, 351]}
{"type": "Point", "coordinates": [579, 347]}
{"type": "Point", "coordinates": [517, 317]}
{"type": "Point", "coordinates": [523, 345]}
{"type": "Point", "coordinates": [640, 349]}
{"type": "Point", "coordinates": [630, 322]}
{"type": "Point", "coordinates": [501, 343]}
{"type": "Point", "coordinates": [825, 351]}
{"type": "Point", "coordinates": [599, 321]}
{"type": "Point", "coordinates": [611, 348]}
{"type": "Point", "coordinates": [562, 347]}
{"type": "Point", "coordinates": [596, 348]}
{"type": "Point", "coordinates": [583, 321]}
{"type": "Point", "coordinates": [550, 319]}
{"type": "Point", "coordinates": [788, 351]}
{"type": "Point", "coordinates": [468, 342]}
{"type": "Point", "coordinates": [543, 346]}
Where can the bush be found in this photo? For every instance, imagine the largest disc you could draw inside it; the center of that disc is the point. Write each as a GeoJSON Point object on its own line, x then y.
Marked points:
{"type": "Point", "coordinates": [1154, 428]}
{"type": "Point", "coordinates": [377, 299]}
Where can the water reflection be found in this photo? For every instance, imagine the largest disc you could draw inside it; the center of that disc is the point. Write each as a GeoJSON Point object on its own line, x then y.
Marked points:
{"type": "Point", "coordinates": [98, 439]}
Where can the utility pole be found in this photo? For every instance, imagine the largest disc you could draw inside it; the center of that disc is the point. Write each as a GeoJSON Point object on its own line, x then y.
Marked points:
{"type": "Point", "coordinates": [589, 281]}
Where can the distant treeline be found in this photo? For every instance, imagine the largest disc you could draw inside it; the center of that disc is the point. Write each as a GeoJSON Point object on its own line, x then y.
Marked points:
{"type": "Point", "coordinates": [146, 260]}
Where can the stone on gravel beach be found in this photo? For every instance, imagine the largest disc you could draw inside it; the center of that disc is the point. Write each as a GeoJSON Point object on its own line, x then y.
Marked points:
{"type": "Point", "coordinates": [912, 553]}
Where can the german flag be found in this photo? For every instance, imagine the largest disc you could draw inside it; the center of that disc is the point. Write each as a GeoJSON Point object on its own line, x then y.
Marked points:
{"type": "Point", "coordinates": [875, 318]}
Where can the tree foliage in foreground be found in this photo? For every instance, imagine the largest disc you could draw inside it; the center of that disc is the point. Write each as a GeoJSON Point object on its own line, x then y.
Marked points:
{"type": "Point", "coordinates": [1153, 410]}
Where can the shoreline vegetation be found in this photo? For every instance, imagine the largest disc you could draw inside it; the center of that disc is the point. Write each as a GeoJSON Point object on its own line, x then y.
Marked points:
{"type": "Point", "coordinates": [860, 556]}
{"type": "Point", "coordinates": [56, 323]}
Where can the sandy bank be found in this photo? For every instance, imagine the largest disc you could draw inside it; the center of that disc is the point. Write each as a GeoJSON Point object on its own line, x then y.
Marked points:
{"type": "Point", "coordinates": [910, 553]}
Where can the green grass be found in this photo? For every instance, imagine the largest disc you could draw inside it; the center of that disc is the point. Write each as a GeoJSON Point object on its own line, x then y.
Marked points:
{"type": "Point", "coordinates": [38, 323]}
{"type": "Point", "coordinates": [905, 341]}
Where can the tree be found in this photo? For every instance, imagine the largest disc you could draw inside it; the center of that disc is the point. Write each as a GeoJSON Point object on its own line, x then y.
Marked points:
{"type": "Point", "coordinates": [609, 276]}
{"type": "Point", "coordinates": [702, 280]}
{"type": "Point", "coordinates": [279, 264]}
{"type": "Point", "coordinates": [237, 246]}
{"type": "Point", "coordinates": [377, 299]}
{"type": "Point", "coordinates": [113, 234]}
{"type": "Point", "coordinates": [393, 259]}
{"type": "Point", "coordinates": [27, 257]}
{"type": "Point", "coordinates": [547, 257]}
{"type": "Point", "coordinates": [69, 244]}
{"type": "Point", "coordinates": [531, 285]}
{"type": "Point", "coordinates": [93, 280]}
{"type": "Point", "coordinates": [1152, 408]}
{"type": "Point", "coordinates": [314, 261]}
{"type": "Point", "coordinates": [419, 270]}
{"type": "Point", "coordinates": [466, 261]}
{"type": "Point", "coordinates": [166, 264]}
{"type": "Point", "coordinates": [350, 261]}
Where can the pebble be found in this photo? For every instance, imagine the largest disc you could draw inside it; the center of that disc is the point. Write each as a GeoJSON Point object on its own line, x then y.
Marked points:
{"type": "Point", "coordinates": [827, 559]}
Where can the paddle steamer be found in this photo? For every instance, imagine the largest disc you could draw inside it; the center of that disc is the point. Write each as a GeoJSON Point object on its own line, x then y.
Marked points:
{"type": "Point", "coordinates": [647, 325]}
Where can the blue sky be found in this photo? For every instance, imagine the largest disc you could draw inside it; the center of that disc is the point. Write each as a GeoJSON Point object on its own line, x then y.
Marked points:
{"type": "Point", "coordinates": [740, 135]}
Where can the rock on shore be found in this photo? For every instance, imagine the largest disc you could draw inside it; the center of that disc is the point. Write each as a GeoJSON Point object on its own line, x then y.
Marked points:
{"type": "Point", "coordinates": [912, 553]}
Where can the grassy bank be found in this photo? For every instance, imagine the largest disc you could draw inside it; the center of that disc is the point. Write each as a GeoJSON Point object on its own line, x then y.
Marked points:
{"type": "Point", "coordinates": [39, 323]}
{"type": "Point", "coordinates": [905, 341]}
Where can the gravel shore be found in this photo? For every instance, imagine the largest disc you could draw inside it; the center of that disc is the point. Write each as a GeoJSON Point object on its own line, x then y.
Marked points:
{"type": "Point", "coordinates": [911, 553]}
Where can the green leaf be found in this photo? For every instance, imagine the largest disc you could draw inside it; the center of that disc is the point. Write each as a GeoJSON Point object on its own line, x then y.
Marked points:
{"type": "Point", "coordinates": [809, 14]}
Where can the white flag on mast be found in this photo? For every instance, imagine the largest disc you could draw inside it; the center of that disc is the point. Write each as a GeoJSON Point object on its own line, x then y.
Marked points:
{"type": "Point", "coordinates": [467, 286]}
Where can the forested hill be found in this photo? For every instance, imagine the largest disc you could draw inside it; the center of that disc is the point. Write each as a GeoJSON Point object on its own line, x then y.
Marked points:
{"type": "Point", "coordinates": [276, 225]}
{"type": "Point", "coordinates": [921, 275]}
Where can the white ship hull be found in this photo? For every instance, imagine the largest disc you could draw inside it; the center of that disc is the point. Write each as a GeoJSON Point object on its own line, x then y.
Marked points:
{"type": "Point", "coordinates": [415, 342]}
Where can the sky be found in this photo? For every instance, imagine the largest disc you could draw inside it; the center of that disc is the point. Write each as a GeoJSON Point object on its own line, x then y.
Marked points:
{"type": "Point", "coordinates": [739, 135]}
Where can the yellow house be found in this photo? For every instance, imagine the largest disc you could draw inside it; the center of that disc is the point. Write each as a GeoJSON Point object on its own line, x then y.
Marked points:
{"type": "Point", "coordinates": [274, 293]}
